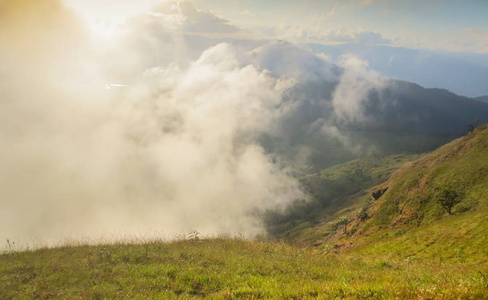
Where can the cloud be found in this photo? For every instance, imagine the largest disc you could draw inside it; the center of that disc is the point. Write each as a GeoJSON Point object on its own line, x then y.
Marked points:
{"type": "Point", "coordinates": [172, 32]}
{"type": "Point", "coordinates": [464, 40]}
{"type": "Point", "coordinates": [172, 145]}
{"type": "Point", "coordinates": [469, 39]}
{"type": "Point", "coordinates": [247, 13]}
{"type": "Point", "coordinates": [323, 102]}
{"type": "Point", "coordinates": [298, 34]}
{"type": "Point", "coordinates": [353, 91]}
{"type": "Point", "coordinates": [333, 132]}
{"type": "Point", "coordinates": [326, 15]}
{"type": "Point", "coordinates": [185, 17]}
{"type": "Point", "coordinates": [359, 36]}
{"type": "Point", "coordinates": [369, 37]}
{"type": "Point", "coordinates": [286, 59]}
{"type": "Point", "coordinates": [337, 10]}
{"type": "Point", "coordinates": [174, 151]}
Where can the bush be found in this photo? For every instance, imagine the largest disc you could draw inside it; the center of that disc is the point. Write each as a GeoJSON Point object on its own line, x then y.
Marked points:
{"type": "Point", "coordinates": [342, 222]}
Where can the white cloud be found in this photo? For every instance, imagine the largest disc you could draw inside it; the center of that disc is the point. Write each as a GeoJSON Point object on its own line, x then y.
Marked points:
{"type": "Point", "coordinates": [175, 149]}
{"type": "Point", "coordinates": [185, 17]}
{"type": "Point", "coordinates": [286, 59]}
{"type": "Point", "coordinates": [466, 40]}
{"type": "Point", "coordinates": [299, 34]}
{"type": "Point", "coordinates": [352, 92]}
{"type": "Point", "coordinates": [172, 153]}
{"type": "Point", "coordinates": [172, 32]}
{"type": "Point", "coordinates": [359, 36]}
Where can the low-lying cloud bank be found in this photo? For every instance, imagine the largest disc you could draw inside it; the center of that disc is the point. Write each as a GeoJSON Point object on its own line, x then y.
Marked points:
{"type": "Point", "coordinates": [181, 146]}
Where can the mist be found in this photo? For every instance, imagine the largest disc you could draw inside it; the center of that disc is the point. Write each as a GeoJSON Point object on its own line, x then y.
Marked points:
{"type": "Point", "coordinates": [108, 139]}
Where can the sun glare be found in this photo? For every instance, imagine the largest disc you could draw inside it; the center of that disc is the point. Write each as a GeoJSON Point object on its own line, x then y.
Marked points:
{"type": "Point", "coordinates": [104, 29]}
{"type": "Point", "coordinates": [104, 19]}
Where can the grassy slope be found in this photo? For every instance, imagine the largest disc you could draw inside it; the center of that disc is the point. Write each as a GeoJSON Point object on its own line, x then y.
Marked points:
{"type": "Point", "coordinates": [407, 221]}
{"type": "Point", "coordinates": [407, 247]}
{"type": "Point", "coordinates": [229, 268]}
{"type": "Point", "coordinates": [333, 192]}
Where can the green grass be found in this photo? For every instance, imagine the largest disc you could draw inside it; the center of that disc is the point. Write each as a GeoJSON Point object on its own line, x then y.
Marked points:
{"type": "Point", "coordinates": [407, 246]}
{"type": "Point", "coordinates": [461, 166]}
{"type": "Point", "coordinates": [230, 269]}
{"type": "Point", "coordinates": [411, 201]}
{"type": "Point", "coordinates": [375, 170]}
{"type": "Point", "coordinates": [333, 192]}
{"type": "Point", "coordinates": [454, 239]}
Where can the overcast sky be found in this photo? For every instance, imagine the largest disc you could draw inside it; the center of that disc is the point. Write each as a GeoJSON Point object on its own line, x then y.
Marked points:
{"type": "Point", "coordinates": [452, 25]}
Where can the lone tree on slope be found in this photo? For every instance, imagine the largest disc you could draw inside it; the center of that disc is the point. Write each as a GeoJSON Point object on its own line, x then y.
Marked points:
{"type": "Point", "coordinates": [448, 198]}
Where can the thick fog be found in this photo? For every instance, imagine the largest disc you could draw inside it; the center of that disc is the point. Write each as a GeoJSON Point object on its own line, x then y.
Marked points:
{"type": "Point", "coordinates": [139, 135]}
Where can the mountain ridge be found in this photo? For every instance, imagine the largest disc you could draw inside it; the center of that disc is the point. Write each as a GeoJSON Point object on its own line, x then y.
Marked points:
{"type": "Point", "coordinates": [400, 117]}
{"type": "Point", "coordinates": [460, 72]}
{"type": "Point", "coordinates": [406, 217]}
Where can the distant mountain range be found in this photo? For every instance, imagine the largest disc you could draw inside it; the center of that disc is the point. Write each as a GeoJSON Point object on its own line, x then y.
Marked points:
{"type": "Point", "coordinates": [417, 110]}
{"type": "Point", "coordinates": [482, 99]}
{"type": "Point", "coordinates": [400, 117]}
{"type": "Point", "coordinates": [463, 73]}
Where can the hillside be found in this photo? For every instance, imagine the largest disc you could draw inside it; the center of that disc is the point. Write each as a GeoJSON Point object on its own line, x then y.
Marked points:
{"type": "Point", "coordinates": [229, 269]}
{"type": "Point", "coordinates": [482, 99]}
{"type": "Point", "coordinates": [331, 190]}
{"type": "Point", "coordinates": [408, 219]}
{"type": "Point", "coordinates": [400, 243]}
{"type": "Point", "coordinates": [397, 117]}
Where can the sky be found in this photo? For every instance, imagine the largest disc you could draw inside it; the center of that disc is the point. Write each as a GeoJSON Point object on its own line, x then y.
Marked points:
{"type": "Point", "coordinates": [449, 25]}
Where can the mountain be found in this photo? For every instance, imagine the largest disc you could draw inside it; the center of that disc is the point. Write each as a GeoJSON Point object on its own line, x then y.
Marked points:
{"type": "Point", "coordinates": [389, 240]}
{"type": "Point", "coordinates": [390, 116]}
{"type": "Point", "coordinates": [482, 99]}
{"type": "Point", "coordinates": [460, 72]}
{"type": "Point", "coordinates": [396, 117]}
{"type": "Point", "coordinates": [432, 207]}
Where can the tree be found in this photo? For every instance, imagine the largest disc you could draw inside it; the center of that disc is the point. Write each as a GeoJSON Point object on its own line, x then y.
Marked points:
{"type": "Point", "coordinates": [448, 198]}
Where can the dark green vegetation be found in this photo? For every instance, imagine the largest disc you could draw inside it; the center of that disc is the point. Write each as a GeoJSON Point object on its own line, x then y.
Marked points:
{"type": "Point", "coordinates": [435, 207]}
{"type": "Point", "coordinates": [330, 191]}
{"type": "Point", "coordinates": [394, 117]}
{"type": "Point", "coordinates": [229, 268]}
{"type": "Point", "coordinates": [375, 228]}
